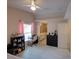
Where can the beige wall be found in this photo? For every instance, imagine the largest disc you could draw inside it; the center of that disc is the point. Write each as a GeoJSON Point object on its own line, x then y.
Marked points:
{"type": "Point", "coordinates": [52, 24]}
{"type": "Point", "coordinates": [65, 31]}
{"type": "Point", "coordinates": [68, 18]}
{"type": "Point", "coordinates": [64, 34]}
{"type": "Point", "coordinates": [13, 15]}
{"type": "Point", "coordinates": [69, 33]}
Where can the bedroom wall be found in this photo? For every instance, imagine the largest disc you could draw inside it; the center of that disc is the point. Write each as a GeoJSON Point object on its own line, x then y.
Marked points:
{"type": "Point", "coordinates": [68, 18]}
{"type": "Point", "coordinates": [13, 16]}
{"type": "Point", "coordinates": [65, 31]}
{"type": "Point", "coordinates": [64, 34]}
{"type": "Point", "coordinates": [69, 34]}
{"type": "Point", "coordinates": [52, 23]}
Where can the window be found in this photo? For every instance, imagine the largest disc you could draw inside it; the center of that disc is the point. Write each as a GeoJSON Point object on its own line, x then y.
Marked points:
{"type": "Point", "coordinates": [27, 32]}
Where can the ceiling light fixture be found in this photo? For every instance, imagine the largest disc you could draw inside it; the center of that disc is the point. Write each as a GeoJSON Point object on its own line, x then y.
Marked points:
{"type": "Point", "coordinates": [33, 6]}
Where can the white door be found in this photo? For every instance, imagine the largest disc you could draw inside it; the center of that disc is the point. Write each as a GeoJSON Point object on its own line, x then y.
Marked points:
{"type": "Point", "coordinates": [62, 35]}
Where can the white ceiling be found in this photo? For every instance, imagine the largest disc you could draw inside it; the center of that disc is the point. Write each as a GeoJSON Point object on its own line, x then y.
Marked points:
{"type": "Point", "coordinates": [49, 8]}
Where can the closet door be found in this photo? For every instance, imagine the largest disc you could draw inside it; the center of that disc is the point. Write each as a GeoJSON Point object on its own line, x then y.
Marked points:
{"type": "Point", "coordinates": [62, 35]}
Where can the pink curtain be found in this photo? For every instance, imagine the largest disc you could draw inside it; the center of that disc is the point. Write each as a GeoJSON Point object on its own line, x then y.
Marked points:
{"type": "Point", "coordinates": [21, 27]}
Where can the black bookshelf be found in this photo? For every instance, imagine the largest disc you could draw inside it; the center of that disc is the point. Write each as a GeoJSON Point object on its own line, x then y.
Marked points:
{"type": "Point", "coordinates": [18, 44]}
